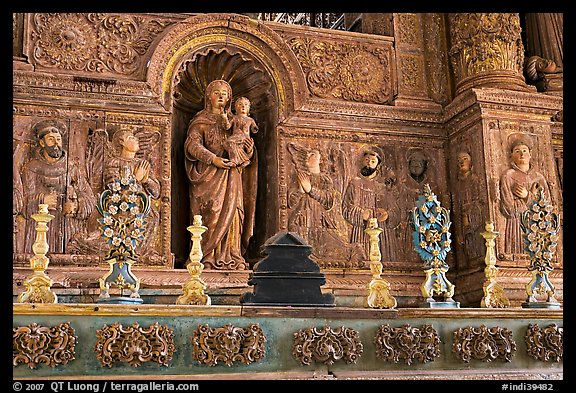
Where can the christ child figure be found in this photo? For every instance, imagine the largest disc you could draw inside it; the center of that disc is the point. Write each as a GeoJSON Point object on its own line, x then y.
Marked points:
{"type": "Point", "coordinates": [239, 145]}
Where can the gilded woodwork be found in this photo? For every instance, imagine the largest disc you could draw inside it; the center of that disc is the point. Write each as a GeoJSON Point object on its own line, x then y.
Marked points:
{"type": "Point", "coordinates": [228, 344]}
{"type": "Point", "coordinates": [36, 344]}
{"type": "Point", "coordinates": [494, 296]}
{"type": "Point", "coordinates": [483, 343]}
{"type": "Point", "coordinates": [407, 343]}
{"type": "Point", "coordinates": [38, 284]}
{"type": "Point", "coordinates": [540, 224]}
{"type": "Point", "coordinates": [134, 344]}
{"type": "Point", "coordinates": [326, 345]}
{"type": "Point", "coordinates": [545, 344]}
{"type": "Point", "coordinates": [378, 289]}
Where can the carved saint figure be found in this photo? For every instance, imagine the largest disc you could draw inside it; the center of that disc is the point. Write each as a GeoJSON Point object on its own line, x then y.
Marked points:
{"type": "Point", "coordinates": [221, 191]}
{"type": "Point", "coordinates": [48, 179]}
{"type": "Point", "coordinates": [519, 185]}
{"type": "Point", "coordinates": [468, 202]}
{"type": "Point", "coordinates": [239, 145]}
{"type": "Point", "coordinates": [315, 206]}
{"type": "Point", "coordinates": [366, 197]}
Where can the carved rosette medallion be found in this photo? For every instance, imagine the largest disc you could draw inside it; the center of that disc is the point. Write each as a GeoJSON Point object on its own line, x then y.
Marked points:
{"type": "Point", "coordinates": [35, 344]}
{"type": "Point", "coordinates": [346, 71]}
{"type": "Point", "coordinates": [134, 345]}
{"type": "Point", "coordinates": [228, 344]}
{"type": "Point", "coordinates": [487, 50]}
{"type": "Point", "coordinates": [485, 344]}
{"type": "Point", "coordinates": [408, 343]}
{"type": "Point", "coordinates": [327, 345]}
{"type": "Point", "coordinates": [546, 345]}
{"type": "Point", "coordinates": [93, 42]}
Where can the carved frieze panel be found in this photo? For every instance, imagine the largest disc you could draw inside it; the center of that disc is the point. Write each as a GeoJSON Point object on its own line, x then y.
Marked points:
{"type": "Point", "coordinates": [328, 211]}
{"type": "Point", "coordinates": [407, 343]}
{"type": "Point", "coordinates": [347, 71]}
{"type": "Point", "coordinates": [134, 344]}
{"type": "Point", "coordinates": [113, 44]}
{"type": "Point", "coordinates": [545, 344]}
{"type": "Point", "coordinates": [228, 344]}
{"type": "Point", "coordinates": [483, 343]}
{"type": "Point", "coordinates": [435, 57]}
{"type": "Point", "coordinates": [412, 73]}
{"type": "Point", "coordinates": [35, 344]}
{"type": "Point", "coordinates": [86, 152]}
{"type": "Point", "coordinates": [327, 345]}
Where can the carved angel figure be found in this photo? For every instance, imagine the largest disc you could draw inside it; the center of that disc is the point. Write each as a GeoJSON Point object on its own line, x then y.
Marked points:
{"type": "Point", "coordinates": [315, 206]}
{"type": "Point", "coordinates": [111, 159]}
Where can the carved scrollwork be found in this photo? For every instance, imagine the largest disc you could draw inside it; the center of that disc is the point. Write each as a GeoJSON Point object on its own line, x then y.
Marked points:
{"type": "Point", "coordinates": [134, 345]}
{"type": "Point", "coordinates": [349, 72]}
{"type": "Point", "coordinates": [484, 344]}
{"type": "Point", "coordinates": [327, 345]}
{"type": "Point", "coordinates": [93, 42]}
{"type": "Point", "coordinates": [408, 343]}
{"type": "Point", "coordinates": [545, 344]}
{"type": "Point", "coordinates": [228, 344]}
{"type": "Point", "coordinates": [35, 344]}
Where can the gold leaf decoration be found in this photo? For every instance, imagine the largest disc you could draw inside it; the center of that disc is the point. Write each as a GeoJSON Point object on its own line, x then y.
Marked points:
{"type": "Point", "coordinates": [408, 343]}
{"type": "Point", "coordinates": [35, 344]}
{"type": "Point", "coordinates": [485, 344]}
{"type": "Point", "coordinates": [327, 345]}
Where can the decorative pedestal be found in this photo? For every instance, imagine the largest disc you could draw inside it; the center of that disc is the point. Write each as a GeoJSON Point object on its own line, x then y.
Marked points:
{"type": "Point", "coordinates": [38, 284]}
{"type": "Point", "coordinates": [287, 276]}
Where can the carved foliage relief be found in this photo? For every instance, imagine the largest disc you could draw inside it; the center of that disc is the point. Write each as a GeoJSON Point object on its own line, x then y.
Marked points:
{"type": "Point", "coordinates": [485, 42]}
{"type": "Point", "coordinates": [93, 42]}
{"type": "Point", "coordinates": [346, 71]}
{"type": "Point", "coordinates": [228, 344]}
{"type": "Point", "coordinates": [327, 345]}
{"type": "Point", "coordinates": [547, 344]}
{"type": "Point", "coordinates": [483, 343]}
{"type": "Point", "coordinates": [35, 344]}
{"type": "Point", "coordinates": [407, 343]}
{"type": "Point", "coordinates": [134, 345]}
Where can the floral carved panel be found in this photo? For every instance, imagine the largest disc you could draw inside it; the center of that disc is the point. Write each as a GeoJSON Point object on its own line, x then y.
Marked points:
{"type": "Point", "coordinates": [545, 344]}
{"type": "Point", "coordinates": [483, 343]}
{"type": "Point", "coordinates": [228, 344]}
{"type": "Point", "coordinates": [407, 343]}
{"type": "Point", "coordinates": [93, 42]}
{"type": "Point", "coordinates": [134, 345]}
{"type": "Point", "coordinates": [327, 345]}
{"type": "Point", "coordinates": [35, 344]}
{"type": "Point", "coordinates": [346, 71]}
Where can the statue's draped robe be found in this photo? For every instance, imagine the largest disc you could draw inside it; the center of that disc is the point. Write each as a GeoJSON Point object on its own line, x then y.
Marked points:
{"type": "Point", "coordinates": [225, 198]}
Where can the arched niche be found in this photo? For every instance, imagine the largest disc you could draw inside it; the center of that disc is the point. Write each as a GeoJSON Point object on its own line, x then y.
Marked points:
{"type": "Point", "coordinates": [258, 64]}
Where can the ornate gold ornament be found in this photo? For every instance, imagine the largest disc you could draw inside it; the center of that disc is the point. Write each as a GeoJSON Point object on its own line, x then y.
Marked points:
{"type": "Point", "coordinates": [408, 343]}
{"type": "Point", "coordinates": [194, 287]}
{"type": "Point", "coordinates": [540, 224]}
{"type": "Point", "coordinates": [38, 284]}
{"type": "Point", "coordinates": [431, 240]}
{"type": "Point", "coordinates": [493, 293]}
{"type": "Point", "coordinates": [546, 345]}
{"type": "Point", "coordinates": [485, 344]}
{"type": "Point", "coordinates": [134, 345]}
{"type": "Point", "coordinates": [123, 207]}
{"type": "Point", "coordinates": [35, 344]}
{"type": "Point", "coordinates": [378, 288]}
{"type": "Point", "coordinates": [327, 345]}
{"type": "Point", "coordinates": [228, 344]}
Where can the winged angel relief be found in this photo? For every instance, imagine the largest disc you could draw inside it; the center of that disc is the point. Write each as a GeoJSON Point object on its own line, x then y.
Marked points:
{"type": "Point", "coordinates": [112, 155]}
{"type": "Point", "coordinates": [314, 199]}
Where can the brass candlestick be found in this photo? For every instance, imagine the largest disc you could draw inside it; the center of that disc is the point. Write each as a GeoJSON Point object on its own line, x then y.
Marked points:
{"type": "Point", "coordinates": [378, 288]}
{"type": "Point", "coordinates": [194, 287]}
{"type": "Point", "coordinates": [38, 284]}
{"type": "Point", "coordinates": [493, 293]}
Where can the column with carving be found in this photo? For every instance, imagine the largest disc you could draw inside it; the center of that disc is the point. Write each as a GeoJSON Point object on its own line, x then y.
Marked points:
{"type": "Point", "coordinates": [487, 51]}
